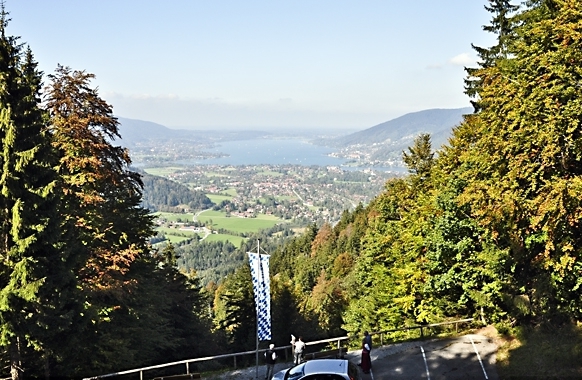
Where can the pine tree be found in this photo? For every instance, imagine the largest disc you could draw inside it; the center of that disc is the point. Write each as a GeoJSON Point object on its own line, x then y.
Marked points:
{"type": "Point", "coordinates": [420, 157]}
{"type": "Point", "coordinates": [502, 25]}
{"type": "Point", "coordinates": [35, 279]}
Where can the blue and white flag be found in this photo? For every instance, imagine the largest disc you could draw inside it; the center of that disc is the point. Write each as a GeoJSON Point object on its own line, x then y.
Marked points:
{"type": "Point", "coordinates": [262, 289]}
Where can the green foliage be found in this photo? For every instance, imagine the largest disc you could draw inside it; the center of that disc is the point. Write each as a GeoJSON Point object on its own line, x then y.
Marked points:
{"type": "Point", "coordinates": [490, 227]}
{"type": "Point", "coordinates": [234, 309]}
{"type": "Point", "coordinates": [37, 289]}
{"type": "Point", "coordinates": [220, 220]}
{"type": "Point", "coordinates": [420, 156]}
{"type": "Point", "coordinates": [161, 194]}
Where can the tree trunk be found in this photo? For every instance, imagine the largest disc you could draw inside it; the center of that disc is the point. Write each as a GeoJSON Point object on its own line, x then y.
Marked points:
{"type": "Point", "coordinates": [15, 360]}
{"type": "Point", "coordinates": [47, 368]}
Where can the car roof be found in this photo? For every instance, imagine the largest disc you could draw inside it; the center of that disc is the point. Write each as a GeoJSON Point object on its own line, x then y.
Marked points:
{"type": "Point", "coordinates": [326, 366]}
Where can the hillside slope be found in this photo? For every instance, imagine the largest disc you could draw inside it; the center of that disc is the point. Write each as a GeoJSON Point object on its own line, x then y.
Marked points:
{"type": "Point", "coordinates": [437, 122]}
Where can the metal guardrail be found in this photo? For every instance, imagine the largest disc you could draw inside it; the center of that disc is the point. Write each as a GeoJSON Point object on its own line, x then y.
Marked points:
{"type": "Point", "coordinates": [311, 343]}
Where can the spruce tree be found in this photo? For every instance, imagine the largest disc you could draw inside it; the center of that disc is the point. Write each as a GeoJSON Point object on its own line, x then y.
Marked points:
{"type": "Point", "coordinates": [502, 25]}
{"type": "Point", "coordinates": [34, 278]}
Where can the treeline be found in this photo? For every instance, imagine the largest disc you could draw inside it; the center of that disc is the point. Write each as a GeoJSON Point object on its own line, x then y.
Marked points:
{"type": "Point", "coordinates": [81, 292]}
{"type": "Point", "coordinates": [213, 261]}
{"type": "Point", "coordinates": [162, 194]}
{"type": "Point", "coordinates": [488, 227]}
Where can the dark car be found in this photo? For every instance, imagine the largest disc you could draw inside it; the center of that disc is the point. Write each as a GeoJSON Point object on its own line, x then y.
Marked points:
{"type": "Point", "coordinates": [321, 369]}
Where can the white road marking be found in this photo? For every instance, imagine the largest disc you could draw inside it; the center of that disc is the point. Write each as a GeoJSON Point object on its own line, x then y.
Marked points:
{"type": "Point", "coordinates": [425, 363]}
{"type": "Point", "coordinates": [479, 357]}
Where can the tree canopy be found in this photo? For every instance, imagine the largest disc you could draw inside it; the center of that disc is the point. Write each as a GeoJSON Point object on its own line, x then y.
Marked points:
{"type": "Point", "coordinates": [488, 227]}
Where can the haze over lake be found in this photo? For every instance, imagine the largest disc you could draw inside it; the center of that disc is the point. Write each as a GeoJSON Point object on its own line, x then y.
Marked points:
{"type": "Point", "coordinates": [271, 151]}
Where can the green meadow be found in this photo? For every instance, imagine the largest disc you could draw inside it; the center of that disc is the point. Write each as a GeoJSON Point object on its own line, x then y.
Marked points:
{"type": "Point", "coordinates": [236, 224]}
{"type": "Point", "coordinates": [163, 171]}
{"type": "Point", "coordinates": [235, 240]}
{"type": "Point", "coordinates": [175, 235]}
{"type": "Point", "coordinates": [217, 198]}
{"type": "Point", "coordinates": [220, 221]}
{"type": "Point", "coordinates": [175, 217]}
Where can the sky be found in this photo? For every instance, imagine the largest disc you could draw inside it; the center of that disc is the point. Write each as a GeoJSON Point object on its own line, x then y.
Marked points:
{"type": "Point", "coordinates": [269, 64]}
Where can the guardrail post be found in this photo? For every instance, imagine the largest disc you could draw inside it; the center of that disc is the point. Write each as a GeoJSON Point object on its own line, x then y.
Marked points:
{"type": "Point", "coordinates": [421, 332]}
{"type": "Point", "coordinates": [234, 361]}
{"type": "Point", "coordinates": [187, 368]}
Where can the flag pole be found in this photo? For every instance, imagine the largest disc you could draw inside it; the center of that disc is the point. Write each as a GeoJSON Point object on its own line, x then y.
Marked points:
{"type": "Point", "coordinates": [257, 310]}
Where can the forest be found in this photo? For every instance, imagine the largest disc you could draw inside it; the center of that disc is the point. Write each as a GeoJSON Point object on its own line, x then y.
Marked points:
{"type": "Point", "coordinates": [488, 227]}
{"type": "Point", "coordinates": [162, 194]}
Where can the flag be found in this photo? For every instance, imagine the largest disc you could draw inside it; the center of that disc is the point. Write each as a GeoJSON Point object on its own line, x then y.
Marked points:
{"type": "Point", "coordinates": [262, 289]}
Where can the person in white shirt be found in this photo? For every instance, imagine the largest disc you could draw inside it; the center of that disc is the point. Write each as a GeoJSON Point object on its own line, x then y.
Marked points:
{"type": "Point", "coordinates": [298, 351]}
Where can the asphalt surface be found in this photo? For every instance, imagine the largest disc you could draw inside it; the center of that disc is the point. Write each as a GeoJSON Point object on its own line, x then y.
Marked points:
{"type": "Point", "coordinates": [467, 357]}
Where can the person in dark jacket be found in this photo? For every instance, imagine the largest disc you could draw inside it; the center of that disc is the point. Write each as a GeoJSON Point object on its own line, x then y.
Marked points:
{"type": "Point", "coordinates": [366, 362]}
{"type": "Point", "coordinates": [368, 339]}
{"type": "Point", "coordinates": [270, 359]}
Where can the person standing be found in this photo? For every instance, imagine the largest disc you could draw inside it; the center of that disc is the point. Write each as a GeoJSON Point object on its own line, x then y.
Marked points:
{"type": "Point", "coordinates": [270, 359]}
{"type": "Point", "coordinates": [368, 339]}
{"type": "Point", "coordinates": [293, 347]}
{"type": "Point", "coordinates": [366, 362]}
{"type": "Point", "coordinates": [298, 351]}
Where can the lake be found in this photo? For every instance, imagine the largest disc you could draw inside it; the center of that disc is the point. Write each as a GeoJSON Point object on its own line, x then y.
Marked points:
{"type": "Point", "coordinates": [271, 151]}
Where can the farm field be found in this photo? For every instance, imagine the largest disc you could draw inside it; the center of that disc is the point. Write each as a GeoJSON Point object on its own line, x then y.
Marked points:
{"type": "Point", "coordinates": [175, 217]}
{"type": "Point", "coordinates": [163, 171]}
{"type": "Point", "coordinates": [237, 224]}
{"type": "Point", "coordinates": [235, 240]}
{"type": "Point", "coordinates": [233, 224]}
{"type": "Point", "coordinates": [175, 235]}
{"type": "Point", "coordinates": [217, 198]}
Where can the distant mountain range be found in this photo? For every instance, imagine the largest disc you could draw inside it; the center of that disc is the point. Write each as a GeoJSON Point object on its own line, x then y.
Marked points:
{"type": "Point", "coordinates": [134, 131]}
{"type": "Point", "coordinates": [437, 122]}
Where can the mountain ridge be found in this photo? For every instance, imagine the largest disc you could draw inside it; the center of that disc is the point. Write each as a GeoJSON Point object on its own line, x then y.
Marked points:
{"type": "Point", "coordinates": [438, 122]}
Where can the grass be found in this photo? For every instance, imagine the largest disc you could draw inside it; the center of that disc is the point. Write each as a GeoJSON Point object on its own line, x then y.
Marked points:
{"type": "Point", "coordinates": [233, 224]}
{"type": "Point", "coordinates": [217, 198]}
{"type": "Point", "coordinates": [235, 240]}
{"type": "Point", "coordinates": [176, 232]}
{"type": "Point", "coordinates": [270, 173]}
{"type": "Point", "coordinates": [175, 235]}
{"type": "Point", "coordinates": [236, 224]}
{"type": "Point", "coordinates": [231, 191]}
{"type": "Point", "coordinates": [175, 217]}
{"type": "Point", "coordinates": [163, 171]}
{"type": "Point", "coordinates": [545, 352]}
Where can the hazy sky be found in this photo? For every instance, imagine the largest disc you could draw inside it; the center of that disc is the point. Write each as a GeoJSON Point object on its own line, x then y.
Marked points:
{"type": "Point", "coordinates": [261, 64]}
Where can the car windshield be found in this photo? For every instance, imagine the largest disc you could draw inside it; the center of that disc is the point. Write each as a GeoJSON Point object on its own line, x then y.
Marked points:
{"type": "Point", "coordinates": [295, 372]}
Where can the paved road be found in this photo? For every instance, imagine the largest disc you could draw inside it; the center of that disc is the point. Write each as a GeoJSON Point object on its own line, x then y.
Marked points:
{"type": "Point", "coordinates": [467, 357]}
